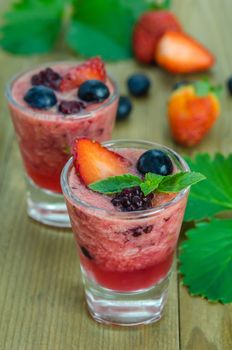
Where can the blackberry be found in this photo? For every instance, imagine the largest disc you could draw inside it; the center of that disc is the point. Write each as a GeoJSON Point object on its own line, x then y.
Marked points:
{"type": "Point", "coordinates": [47, 77]}
{"type": "Point", "coordinates": [132, 199]}
{"type": "Point", "coordinates": [70, 107]}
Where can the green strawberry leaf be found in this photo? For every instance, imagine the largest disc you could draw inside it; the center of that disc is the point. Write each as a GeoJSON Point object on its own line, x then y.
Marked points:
{"type": "Point", "coordinates": [103, 27]}
{"type": "Point", "coordinates": [115, 184]}
{"type": "Point", "coordinates": [210, 197]}
{"type": "Point", "coordinates": [32, 26]}
{"type": "Point", "coordinates": [179, 181]}
{"type": "Point", "coordinates": [204, 87]}
{"type": "Point", "coordinates": [206, 260]}
{"type": "Point", "coordinates": [151, 183]}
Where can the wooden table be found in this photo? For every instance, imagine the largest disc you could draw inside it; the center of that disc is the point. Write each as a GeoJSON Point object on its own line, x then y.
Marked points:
{"type": "Point", "coordinates": [41, 296]}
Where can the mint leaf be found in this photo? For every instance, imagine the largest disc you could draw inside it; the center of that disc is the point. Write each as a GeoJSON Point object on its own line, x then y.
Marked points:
{"type": "Point", "coordinates": [206, 260]}
{"type": "Point", "coordinates": [179, 181]}
{"type": "Point", "coordinates": [210, 197]}
{"type": "Point", "coordinates": [32, 26]}
{"type": "Point", "coordinates": [115, 184]}
{"type": "Point", "coordinates": [151, 183]}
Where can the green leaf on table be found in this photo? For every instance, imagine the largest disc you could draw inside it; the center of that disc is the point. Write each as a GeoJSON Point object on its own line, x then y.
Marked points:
{"type": "Point", "coordinates": [31, 26]}
{"type": "Point", "coordinates": [115, 184]}
{"type": "Point", "coordinates": [206, 260]}
{"type": "Point", "coordinates": [103, 27]}
{"type": "Point", "coordinates": [210, 197]}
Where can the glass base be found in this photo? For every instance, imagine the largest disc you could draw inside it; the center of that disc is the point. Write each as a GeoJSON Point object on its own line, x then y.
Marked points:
{"type": "Point", "coordinates": [46, 206]}
{"type": "Point", "coordinates": [126, 308]}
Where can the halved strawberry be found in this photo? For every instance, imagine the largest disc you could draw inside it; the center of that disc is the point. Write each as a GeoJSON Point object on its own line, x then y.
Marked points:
{"type": "Point", "coordinates": [94, 68]}
{"type": "Point", "coordinates": [180, 53]}
{"type": "Point", "coordinates": [93, 162]}
{"type": "Point", "coordinates": [148, 31]}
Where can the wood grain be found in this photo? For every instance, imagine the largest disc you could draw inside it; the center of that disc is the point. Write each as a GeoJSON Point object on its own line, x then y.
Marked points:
{"type": "Point", "coordinates": [41, 296]}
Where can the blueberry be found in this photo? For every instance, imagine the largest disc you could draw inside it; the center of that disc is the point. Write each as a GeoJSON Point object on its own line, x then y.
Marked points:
{"type": "Point", "coordinates": [124, 108]}
{"type": "Point", "coordinates": [40, 97]}
{"type": "Point", "coordinates": [229, 85]}
{"type": "Point", "coordinates": [155, 161]}
{"type": "Point", "coordinates": [138, 84]}
{"type": "Point", "coordinates": [93, 91]}
{"type": "Point", "coordinates": [180, 84]}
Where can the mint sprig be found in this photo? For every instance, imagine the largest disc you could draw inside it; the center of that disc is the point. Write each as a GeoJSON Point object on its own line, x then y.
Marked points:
{"type": "Point", "coordinates": [152, 182]}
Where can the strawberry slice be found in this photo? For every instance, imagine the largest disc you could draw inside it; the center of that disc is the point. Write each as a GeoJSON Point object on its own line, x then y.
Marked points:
{"type": "Point", "coordinates": [93, 162]}
{"type": "Point", "coordinates": [180, 53]}
{"type": "Point", "coordinates": [91, 69]}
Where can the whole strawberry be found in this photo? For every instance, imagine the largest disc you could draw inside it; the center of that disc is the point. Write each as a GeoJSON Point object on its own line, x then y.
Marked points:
{"type": "Point", "coordinates": [192, 111]}
{"type": "Point", "coordinates": [150, 28]}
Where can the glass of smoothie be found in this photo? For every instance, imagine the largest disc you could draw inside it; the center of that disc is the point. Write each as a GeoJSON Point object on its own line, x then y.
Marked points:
{"type": "Point", "coordinates": [126, 242]}
{"type": "Point", "coordinates": [50, 106]}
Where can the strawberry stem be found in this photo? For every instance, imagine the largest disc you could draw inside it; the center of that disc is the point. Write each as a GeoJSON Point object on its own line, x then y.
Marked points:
{"type": "Point", "coordinates": [161, 4]}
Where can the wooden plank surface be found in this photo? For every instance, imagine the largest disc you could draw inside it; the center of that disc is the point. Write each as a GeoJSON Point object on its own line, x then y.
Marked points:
{"type": "Point", "coordinates": [41, 296]}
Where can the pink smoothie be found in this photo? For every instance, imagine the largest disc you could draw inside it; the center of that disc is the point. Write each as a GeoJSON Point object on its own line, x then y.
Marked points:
{"type": "Point", "coordinates": [45, 136]}
{"type": "Point", "coordinates": [124, 251]}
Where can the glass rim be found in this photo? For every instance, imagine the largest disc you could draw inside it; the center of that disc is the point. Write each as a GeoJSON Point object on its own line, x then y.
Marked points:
{"type": "Point", "coordinates": [125, 215]}
{"type": "Point", "coordinates": [38, 114]}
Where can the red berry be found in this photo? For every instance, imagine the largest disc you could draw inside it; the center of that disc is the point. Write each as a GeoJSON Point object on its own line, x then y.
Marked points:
{"type": "Point", "coordinates": [93, 162]}
{"type": "Point", "coordinates": [148, 31]}
{"type": "Point", "coordinates": [93, 69]}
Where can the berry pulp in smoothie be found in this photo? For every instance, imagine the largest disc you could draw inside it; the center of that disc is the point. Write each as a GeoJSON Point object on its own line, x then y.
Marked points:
{"type": "Point", "coordinates": [122, 251]}
{"type": "Point", "coordinates": [45, 136]}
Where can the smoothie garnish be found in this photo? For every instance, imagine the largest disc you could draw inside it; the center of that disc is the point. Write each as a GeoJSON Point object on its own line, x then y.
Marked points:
{"type": "Point", "coordinates": [93, 91]}
{"type": "Point", "coordinates": [155, 161]}
{"type": "Point", "coordinates": [70, 107]}
{"type": "Point", "coordinates": [94, 162]}
{"type": "Point", "coordinates": [94, 68]}
{"type": "Point", "coordinates": [47, 77]}
{"type": "Point", "coordinates": [151, 182]}
{"type": "Point", "coordinates": [49, 88]}
{"type": "Point", "coordinates": [40, 97]}
{"type": "Point", "coordinates": [132, 199]}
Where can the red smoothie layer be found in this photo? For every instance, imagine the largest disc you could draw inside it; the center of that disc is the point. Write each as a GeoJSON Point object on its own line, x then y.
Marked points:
{"type": "Point", "coordinates": [121, 253]}
{"type": "Point", "coordinates": [45, 136]}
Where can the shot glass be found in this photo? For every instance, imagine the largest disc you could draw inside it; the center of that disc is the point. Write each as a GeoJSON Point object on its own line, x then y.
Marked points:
{"type": "Point", "coordinates": [126, 257]}
{"type": "Point", "coordinates": [45, 140]}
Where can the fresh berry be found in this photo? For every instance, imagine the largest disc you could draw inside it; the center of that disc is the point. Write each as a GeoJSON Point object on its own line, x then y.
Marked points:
{"type": "Point", "coordinates": [191, 116]}
{"type": "Point", "coordinates": [124, 108]}
{"type": "Point", "coordinates": [93, 69]}
{"type": "Point", "coordinates": [70, 107]}
{"type": "Point", "coordinates": [180, 53]}
{"type": "Point", "coordinates": [229, 85]}
{"type": "Point", "coordinates": [148, 31]}
{"type": "Point", "coordinates": [93, 91]}
{"type": "Point", "coordinates": [47, 77]}
{"type": "Point", "coordinates": [93, 162]}
{"type": "Point", "coordinates": [180, 83]}
{"type": "Point", "coordinates": [40, 97]}
{"type": "Point", "coordinates": [132, 199]}
{"type": "Point", "coordinates": [138, 84]}
{"type": "Point", "coordinates": [155, 161]}
{"type": "Point", "coordinates": [139, 230]}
